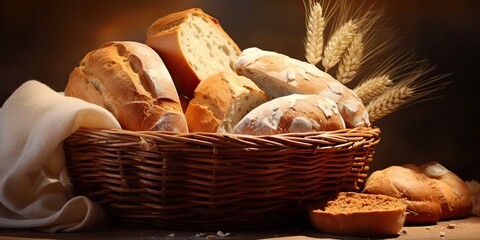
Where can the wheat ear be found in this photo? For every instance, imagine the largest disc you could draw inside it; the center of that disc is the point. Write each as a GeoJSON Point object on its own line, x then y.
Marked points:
{"type": "Point", "coordinates": [315, 25]}
{"type": "Point", "coordinates": [389, 102]}
{"type": "Point", "coordinates": [338, 43]}
{"type": "Point", "coordinates": [409, 89]}
{"type": "Point", "coordinates": [372, 87]}
{"type": "Point", "coordinates": [351, 60]}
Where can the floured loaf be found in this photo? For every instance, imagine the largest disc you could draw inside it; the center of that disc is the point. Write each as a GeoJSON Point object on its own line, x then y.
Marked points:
{"type": "Point", "coordinates": [279, 75]}
{"type": "Point", "coordinates": [292, 114]}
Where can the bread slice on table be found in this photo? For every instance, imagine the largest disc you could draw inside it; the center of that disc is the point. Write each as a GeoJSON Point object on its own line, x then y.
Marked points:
{"type": "Point", "coordinates": [294, 113]}
{"type": "Point", "coordinates": [359, 215]}
{"type": "Point", "coordinates": [279, 75]}
{"type": "Point", "coordinates": [193, 45]}
{"type": "Point", "coordinates": [221, 101]}
{"type": "Point", "coordinates": [130, 80]}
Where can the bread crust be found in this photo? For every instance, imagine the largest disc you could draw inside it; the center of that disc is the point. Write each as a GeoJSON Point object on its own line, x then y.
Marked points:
{"type": "Point", "coordinates": [455, 200]}
{"type": "Point", "coordinates": [429, 200]}
{"type": "Point", "coordinates": [292, 113]}
{"type": "Point", "coordinates": [164, 37]}
{"type": "Point", "coordinates": [216, 97]}
{"type": "Point", "coordinates": [130, 80]}
{"type": "Point", "coordinates": [280, 75]}
{"type": "Point", "coordinates": [379, 215]}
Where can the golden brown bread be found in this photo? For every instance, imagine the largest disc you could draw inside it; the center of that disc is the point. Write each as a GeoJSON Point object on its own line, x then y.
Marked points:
{"type": "Point", "coordinates": [221, 101]}
{"type": "Point", "coordinates": [279, 75]}
{"type": "Point", "coordinates": [193, 46]}
{"type": "Point", "coordinates": [430, 193]}
{"type": "Point", "coordinates": [455, 197]}
{"type": "Point", "coordinates": [130, 80]}
{"type": "Point", "coordinates": [292, 114]}
{"type": "Point", "coordinates": [359, 214]}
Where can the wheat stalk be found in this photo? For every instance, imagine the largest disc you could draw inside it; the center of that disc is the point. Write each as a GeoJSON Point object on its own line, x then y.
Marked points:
{"type": "Point", "coordinates": [389, 102]}
{"type": "Point", "coordinates": [315, 25]}
{"type": "Point", "coordinates": [338, 43]}
{"type": "Point", "coordinates": [351, 60]}
{"type": "Point", "coordinates": [372, 87]}
{"type": "Point", "coordinates": [412, 86]}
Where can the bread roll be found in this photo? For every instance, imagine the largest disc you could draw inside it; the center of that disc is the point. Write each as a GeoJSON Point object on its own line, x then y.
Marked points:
{"type": "Point", "coordinates": [455, 197]}
{"type": "Point", "coordinates": [292, 113]}
{"type": "Point", "coordinates": [360, 215]}
{"type": "Point", "coordinates": [130, 80]}
{"type": "Point", "coordinates": [279, 75]}
{"type": "Point", "coordinates": [409, 183]}
{"type": "Point", "coordinates": [474, 189]}
{"type": "Point", "coordinates": [193, 45]}
{"type": "Point", "coordinates": [221, 101]}
{"type": "Point", "coordinates": [432, 192]}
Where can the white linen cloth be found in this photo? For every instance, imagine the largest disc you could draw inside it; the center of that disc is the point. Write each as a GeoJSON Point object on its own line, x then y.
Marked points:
{"type": "Point", "coordinates": [34, 188]}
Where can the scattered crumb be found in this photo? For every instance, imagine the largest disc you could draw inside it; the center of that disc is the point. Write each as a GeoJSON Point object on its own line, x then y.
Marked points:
{"type": "Point", "coordinates": [442, 234]}
{"type": "Point", "coordinates": [428, 228]}
{"type": "Point", "coordinates": [221, 234]}
{"type": "Point", "coordinates": [199, 235]}
{"type": "Point", "coordinates": [171, 235]}
{"type": "Point", "coordinates": [451, 226]}
{"type": "Point", "coordinates": [403, 231]}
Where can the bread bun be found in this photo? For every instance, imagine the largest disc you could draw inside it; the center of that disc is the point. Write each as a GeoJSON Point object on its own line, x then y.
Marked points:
{"type": "Point", "coordinates": [474, 189]}
{"type": "Point", "coordinates": [279, 75]}
{"type": "Point", "coordinates": [455, 197]}
{"type": "Point", "coordinates": [407, 182]}
{"type": "Point", "coordinates": [292, 113]}
{"type": "Point", "coordinates": [221, 101]}
{"type": "Point", "coordinates": [193, 45]}
{"type": "Point", "coordinates": [428, 199]}
{"type": "Point", "coordinates": [360, 215]}
{"type": "Point", "coordinates": [130, 80]}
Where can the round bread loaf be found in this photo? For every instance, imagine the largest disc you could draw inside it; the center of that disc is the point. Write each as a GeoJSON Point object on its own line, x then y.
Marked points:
{"type": "Point", "coordinates": [407, 182]}
{"type": "Point", "coordinates": [455, 198]}
{"type": "Point", "coordinates": [359, 215]}
{"type": "Point", "coordinates": [431, 192]}
{"type": "Point", "coordinates": [279, 75]}
{"type": "Point", "coordinates": [130, 80]}
{"type": "Point", "coordinates": [193, 45]}
{"type": "Point", "coordinates": [292, 114]}
{"type": "Point", "coordinates": [221, 101]}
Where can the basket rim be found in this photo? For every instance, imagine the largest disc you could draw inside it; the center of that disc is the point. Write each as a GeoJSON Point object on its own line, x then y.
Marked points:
{"type": "Point", "coordinates": [339, 138]}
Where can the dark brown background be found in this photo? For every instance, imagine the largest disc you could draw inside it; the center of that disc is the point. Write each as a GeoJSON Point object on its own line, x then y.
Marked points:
{"type": "Point", "coordinates": [45, 40]}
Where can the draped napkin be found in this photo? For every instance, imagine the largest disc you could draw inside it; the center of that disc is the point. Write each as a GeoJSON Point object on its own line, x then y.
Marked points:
{"type": "Point", "coordinates": [34, 187]}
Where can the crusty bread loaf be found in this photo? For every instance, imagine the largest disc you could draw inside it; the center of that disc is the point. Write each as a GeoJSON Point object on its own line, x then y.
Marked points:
{"type": "Point", "coordinates": [130, 80]}
{"type": "Point", "coordinates": [359, 214]}
{"type": "Point", "coordinates": [221, 101]}
{"type": "Point", "coordinates": [193, 45]}
{"type": "Point", "coordinates": [474, 189]}
{"type": "Point", "coordinates": [292, 113]}
{"type": "Point", "coordinates": [429, 200]}
{"type": "Point", "coordinates": [455, 197]}
{"type": "Point", "coordinates": [407, 182]}
{"type": "Point", "coordinates": [279, 75]}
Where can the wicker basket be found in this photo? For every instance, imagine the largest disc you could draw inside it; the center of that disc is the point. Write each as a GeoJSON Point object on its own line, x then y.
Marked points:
{"type": "Point", "coordinates": [215, 181]}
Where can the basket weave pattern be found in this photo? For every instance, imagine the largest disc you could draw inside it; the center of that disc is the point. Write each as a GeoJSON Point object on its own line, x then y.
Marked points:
{"type": "Point", "coordinates": [210, 180]}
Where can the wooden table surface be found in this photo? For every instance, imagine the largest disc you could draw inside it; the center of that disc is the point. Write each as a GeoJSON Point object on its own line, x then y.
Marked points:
{"type": "Point", "coordinates": [463, 229]}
